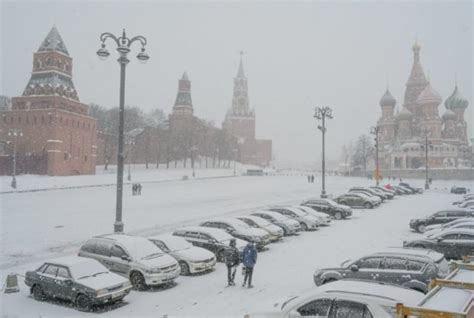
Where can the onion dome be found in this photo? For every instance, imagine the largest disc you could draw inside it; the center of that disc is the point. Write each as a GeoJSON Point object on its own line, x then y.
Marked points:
{"type": "Point", "coordinates": [449, 115]}
{"type": "Point", "coordinates": [404, 114]}
{"type": "Point", "coordinates": [429, 96]}
{"type": "Point", "coordinates": [387, 99]}
{"type": "Point", "coordinates": [456, 100]}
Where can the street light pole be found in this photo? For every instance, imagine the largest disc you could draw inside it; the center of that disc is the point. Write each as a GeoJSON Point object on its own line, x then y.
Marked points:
{"type": "Point", "coordinates": [427, 183]}
{"type": "Point", "coordinates": [375, 131]}
{"type": "Point", "coordinates": [123, 48]}
{"type": "Point", "coordinates": [235, 160]}
{"type": "Point", "coordinates": [322, 113]}
{"type": "Point", "coordinates": [14, 133]}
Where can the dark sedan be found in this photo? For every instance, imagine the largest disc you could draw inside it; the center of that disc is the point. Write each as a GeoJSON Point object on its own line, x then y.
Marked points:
{"type": "Point", "coordinates": [454, 243]}
{"type": "Point", "coordinates": [354, 200]}
{"type": "Point", "coordinates": [440, 217]}
{"type": "Point", "coordinates": [83, 281]}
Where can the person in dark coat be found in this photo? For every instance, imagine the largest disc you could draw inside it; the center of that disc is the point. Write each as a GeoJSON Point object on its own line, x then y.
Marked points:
{"type": "Point", "coordinates": [134, 189]}
{"type": "Point", "coordinates": [249, 259]}
{"type": "Point", "coordinates": [232, 260]}
{"type": "Point", "coordinates": [139, 188]}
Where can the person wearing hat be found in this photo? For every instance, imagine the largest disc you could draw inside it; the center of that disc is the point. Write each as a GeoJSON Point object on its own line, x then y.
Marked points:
{"type": "Point", "coordinates": [232, 260]}
{"type": "Point", "coordinates": [249, 259]}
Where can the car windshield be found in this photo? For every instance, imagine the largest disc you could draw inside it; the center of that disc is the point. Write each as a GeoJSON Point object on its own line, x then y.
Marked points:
{"type": "Point", "coordinates": [177, 244]}
{"type": "Point", "coordinates": [292, 299]}
{"type": "Point", "coordinates": [221, 236]}
{"type": "Point", "coordinates": [86, 269]}
{"type": "Point", "coordinates": [145, 250]}
{"type": "Point", "coordinates": [332, 202]}
{"type": "Point", "coordinates": [346, 263]}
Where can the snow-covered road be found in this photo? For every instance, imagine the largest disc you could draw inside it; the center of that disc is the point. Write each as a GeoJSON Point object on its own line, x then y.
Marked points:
{"type": "Point", "coordinates": [39, 225]}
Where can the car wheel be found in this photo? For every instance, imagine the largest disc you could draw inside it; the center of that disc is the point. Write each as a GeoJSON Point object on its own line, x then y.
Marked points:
{"type": "Point", "coordinates": [328, 280]}
{"type": "Point", "coordinates": [338, 215]}
{"type": "Point", "coordinates": [368, 205]}
{"type": "Point", "coordinates": [421, 228]}
{"type": "Point", "coordinates": [137, 280]}
{"type": "Point", "coordinates": [184, 268]}
{"type": "Point", "coordinates": [38, 293]}
{"type": "Point", "coordinates": [83, 303]}
{"type": "Point", "coordinates": [220, 255]}
{"type": "Point", "coordinates": [304, 228]}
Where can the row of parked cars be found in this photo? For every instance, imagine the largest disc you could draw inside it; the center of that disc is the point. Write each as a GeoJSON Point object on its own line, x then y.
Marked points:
{"type": "Point", "coordinates": [109, 266]}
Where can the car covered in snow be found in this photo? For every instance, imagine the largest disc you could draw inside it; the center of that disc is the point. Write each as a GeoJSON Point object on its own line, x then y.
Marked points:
{"type": "Point", "coordinates": [468, 204]}
{"type": "Point", "coordinates": [347, 299]}
{"type": "Point", "coordinates": [404, 269]}
{"type": "Point", "coordinates": [370, 192]}
{"type": "Point", "coordinates": [134, 257]}
{"type": "Point", "coordinates": [411, 188]}
{"type": "Point", "coordinates": [440, 217]}
{"type": "Point", "coordinates": [453, 243]}
{"type": "Point", "coordinates": [191, 259]}
{"type": "Point", "coordinates": [307, 221]}
{"type": "Point", "coordinates": [276, 232]}
{"type": "Point", "coordinates": [83, 281]}
{"type": "Point", "coordinates": [458, 190]}
{"type": "Point", "coordinates": [444, 226]}
{"type": "Point", "coordinates": [330, 207]}
{"type": "Point", "coordinates": [386, 194]}
{"type": "Point", "coordinates": [323, 218]}
{"type": "Point", "coordinates": [214, 240]}
{"type": "Point", "coordinates": [401, 190]}
{"type": "Point", "coordinates": [288, 225]}
{"type": "Point", "coordinates": [358, 200]}
{"type": "Point", "coordinates": [469, 197]}
{"type": "Point", "coordinates": [241, 230]}
{"type": "Point", "coordinates": [451, 225]}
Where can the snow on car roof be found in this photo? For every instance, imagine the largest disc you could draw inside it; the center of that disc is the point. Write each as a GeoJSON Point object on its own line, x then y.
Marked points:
{"type": "Point", "coordinates": [218, 234]}
{"type": "Point", "coordinates": [435, 256]}
{"type": "Point", "coordinates": [456, 231]}
{"type": "Point", "coordinates": [79, 266]}
{"type": "Point", "coordinates": [371, 289]}
{"type": "Point", "coordinates": [70, 260]}
{"type": "Point", "coordinates": [256, 219]}
{"type": "Point", "coordinates": [137, 246]}
{"type": "Point", "coordinates": [275, 215]}
{"type": "Point", "coordinates": [232, 221]}
{"type": "Point", "coordinates": [166, 238]}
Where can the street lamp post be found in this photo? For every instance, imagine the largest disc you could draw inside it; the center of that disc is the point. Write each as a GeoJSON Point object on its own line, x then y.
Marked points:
{"type": "Point", "coordinates": [130, 142]}
{"type": "Point", "coordinates": [322, 113]}
{"type": "Point", "coordinates": [375, 131]}
{"type": "Point", "coordinates": [234, 151]}
{"type": "Point", "coordinates": [194, 150]}
{"type": "Point", "coordinates": [123, 48]}
{"type": "Point", "coordinates": [15, 133]}
{"type": "Point", "coordinates": [427, 144]}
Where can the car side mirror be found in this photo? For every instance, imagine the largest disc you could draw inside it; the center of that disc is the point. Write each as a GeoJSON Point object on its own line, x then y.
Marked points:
{"type": "Point", "coordinates": [125, 258]}
{"type": "Point", "coordinates": [294, 314]}
{"type": "Point", "coordinates": [354, 268]}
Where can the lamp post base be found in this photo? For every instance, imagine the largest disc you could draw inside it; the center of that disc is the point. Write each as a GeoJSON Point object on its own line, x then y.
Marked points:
{"type": "Point", "coordinates": [13, 184]}
{"type": "Point", "coordinates": [427, 185]}
{"type": "Point", "coordinates": [324, 195]}
{"type": "Point", "coordinates": [118, 227]}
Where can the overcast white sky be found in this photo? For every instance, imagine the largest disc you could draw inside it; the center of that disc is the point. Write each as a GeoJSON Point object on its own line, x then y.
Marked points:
{"type": "Point", "coordinates": [297, 56]}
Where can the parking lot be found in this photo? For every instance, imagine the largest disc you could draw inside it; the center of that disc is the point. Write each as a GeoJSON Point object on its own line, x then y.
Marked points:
{"type": "Point", "coordinates": [283, 270]}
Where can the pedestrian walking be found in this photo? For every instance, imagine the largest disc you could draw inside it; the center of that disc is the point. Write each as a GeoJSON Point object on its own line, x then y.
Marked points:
{"type": "Point", "coordinates": [312, 178]}
{"type": "Point", "coordinates": [139, 188]}
{"type": "Point", "coordinates": [232, 261]}
{"type": "Point", "coordinates": [249, 259]}
{"type": "Point", "coordinates": [309, 178]}
{"type": "Point", "coordinates": [134, 189]}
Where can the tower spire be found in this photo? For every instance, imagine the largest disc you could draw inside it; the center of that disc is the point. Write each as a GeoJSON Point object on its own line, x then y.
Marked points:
{"type": "Point", "coordinates": [240, 73]}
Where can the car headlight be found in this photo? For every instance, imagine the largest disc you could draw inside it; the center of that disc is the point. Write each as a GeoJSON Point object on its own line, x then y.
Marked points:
{"type": "Point", "coordinates": [101, 292]}
{"type": "Point", "coordinates": [153, 270]}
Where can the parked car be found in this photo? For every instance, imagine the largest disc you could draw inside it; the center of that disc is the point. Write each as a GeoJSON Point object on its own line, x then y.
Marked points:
{"type": "Point", "coordinates": [469, 204]}
{"type": "Point", "coordinates": [414, 189]}
{"type": "Point", "coordinates": [408, 190]}
{"type": "Point", "coordinates": [453, 243]}
{"type": "Point", "coordinates": [439, 217]}
{"type": "Point", "coordinates": [356, 200]}
{"type": "Point", "coordinates": [404, 269]}
{"type": "Point", "coordinates": [446, 226]}
{"type": "Point", "coordinates": [374, 199]}
{"type": "Point", "coordinates": [369, 192]}
{"type": "Point", "coordinates": [458, 190]}
{"type": "Point", "coordinates": [83, 281]}
{"type": "Point", "coordinates": [468, 197]}
{"type": "Point", "coordinates": [385, 190]}
{"type": "Point", "coordinates": [191, 259]}
{"type": "Point", "coordinates": [214, 240]}
{"type": "Point", "coordinates": [401, 190]}
{"type": "Point", "coordinates": [241, 230]}
{"type": "Point", "coordinates": [276, 232]}
{"type": "Point", "coordinates": [345, 298]}
{"type": "Point", "coordinates": [323, 218]}
{"type": "Point", "coordinates": [289, 226]}
{"type": "Point", "coordinates": [330, 207]}
{"type": "Point", "coordinates": [133, 257]}
{"type": "Point", "coordinates": [388, 193]}
{"type": "Point", "coordinates": [307, 221]}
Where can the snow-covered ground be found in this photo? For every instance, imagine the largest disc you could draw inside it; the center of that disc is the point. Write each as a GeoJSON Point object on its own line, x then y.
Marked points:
{"type": "Point", "coordinates": [39, 225]}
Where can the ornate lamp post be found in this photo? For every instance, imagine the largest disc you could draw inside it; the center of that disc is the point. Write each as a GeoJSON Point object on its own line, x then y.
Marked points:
{"type": "Point", "coordinates": [234, 152]}
{"type": "Point", "coordinates": [123, 48]}
{"type": "Point", "coordinates": [15, 133]}
{"type": "Point", "coordinates": [193, 151]}
{"type": "Point", "coordinates": [321, 113]}
{"type": "Point", "coordinates": [375, 131]}
{"type": "Point", "coordinates": [129, 142]}
{"type": "Point", "coordinates": [427, 144]}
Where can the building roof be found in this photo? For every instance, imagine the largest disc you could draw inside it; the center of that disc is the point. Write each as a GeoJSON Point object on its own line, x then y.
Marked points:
{"type": "Point", "coordinates": [429, 96]}
{"type": "Point", "coordinates": [53, 42]}
{"type": "Point", "coordinates": [241, 73]}
{"type": "Point", "coordinates": [456, 100]}
{"type": "Point", "coordinates": [404, 113]}
{"type": "Point", "coordinates": [388, 99]}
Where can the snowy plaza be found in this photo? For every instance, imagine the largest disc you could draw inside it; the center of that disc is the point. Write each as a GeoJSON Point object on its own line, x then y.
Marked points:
{"type": "Point", "coordinates": [40, 225]}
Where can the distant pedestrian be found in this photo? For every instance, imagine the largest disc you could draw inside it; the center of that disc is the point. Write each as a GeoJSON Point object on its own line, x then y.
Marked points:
{"type": "Point", "coordinates": [309, 178]}
{"type": "Point", "coordinates": [232, 260]}
{"type": "Point", "coordinates": [134, 189]}
{"type": "Point", "coordinates": [312, 178]}
{"type": "Point", "coordinates": [249, 259]}
{"type": "Point", "coordinates": [139, 189]}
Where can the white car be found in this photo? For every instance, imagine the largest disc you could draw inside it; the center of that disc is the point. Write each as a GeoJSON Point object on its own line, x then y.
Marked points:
{"type": "Point", "coordinates": [458, 225]}
{"type": "Point", "coordinates": [241, 230]}
{"type": "Point", "coordinates": [323, 218]}
{"type": "Point", "coordinates": [276, 232]}
{"type": "Point", "coordinates": [375, 200]}
{"type": "Point", "coordinates": [288, 225]}
{"type": "Point", "coordinates": [446, 225]}
{"type": "Point", "coordinates": [346, 298]}
{"type": "Point", "coordinates": [134, 257]}
{"type": "Point", "coordinates": [191, 259]}
{"type": "Point", "coordinates": [307, 221]}
{"type": "Point", "coordinates": [467, 204]}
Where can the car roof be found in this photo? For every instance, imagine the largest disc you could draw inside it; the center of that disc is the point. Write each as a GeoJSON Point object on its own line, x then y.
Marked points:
{"type": "Point", "coordinates": [369, 289]}
{"type": "Point", "coordinates": [412, 256]}
{"type": "Point", "coordinates": [229, 220]}
{"type": "Point", "coordinates": [123, 238]}
{"type": "Point", "coordinates": [70, 260]}
{"type": "Point", "coordinates": [456, 231]}
{"type": "Point", "coordinates": [166, 238]}
{"type": "Point", "coordinates": [206, 230]}
{"type": "Point", "coordinates": [423, 252]}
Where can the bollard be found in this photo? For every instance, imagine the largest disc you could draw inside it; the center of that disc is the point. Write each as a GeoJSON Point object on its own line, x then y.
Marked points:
{"type": "Point", "coordinates": [12, 284]}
